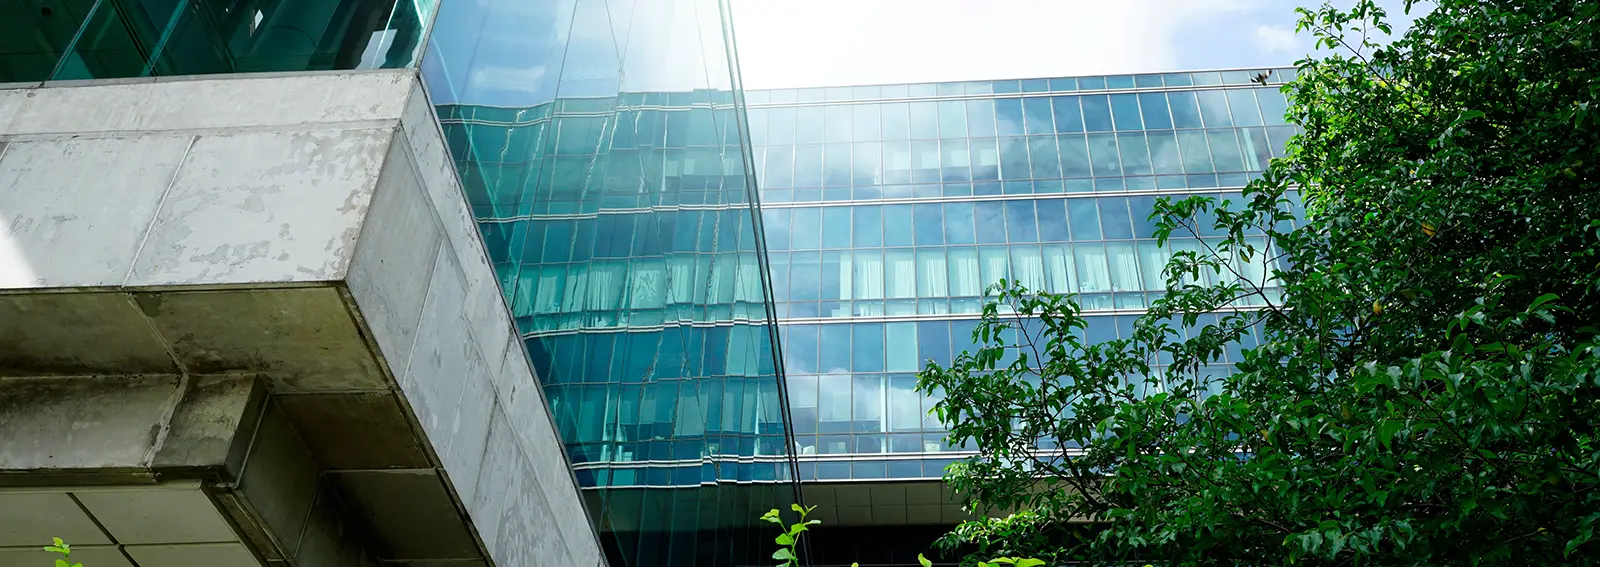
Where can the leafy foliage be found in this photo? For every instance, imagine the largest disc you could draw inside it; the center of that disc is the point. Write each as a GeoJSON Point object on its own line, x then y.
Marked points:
{"type": "Point", "coordinates": [1419, 373]}
{"type": "Point", "coordinates": [61, 547]}
{"type": "Point", "coordinates": [789, 541]}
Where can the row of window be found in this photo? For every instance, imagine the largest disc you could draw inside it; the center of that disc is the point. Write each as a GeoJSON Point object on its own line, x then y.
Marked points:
{"type": "Point", "coordinates": [1063, 84]}
{"type": "Point", "coordinates": [1158, 152]}
{"type": "Point", "coordinates": [981, 222]}
{"type": "Point", "coordinates": [990, 117]}
{"type": "Point", "coordinates": [966, 272]}
{"type": "Point", "coordinates": [1014, 187]}
{"type": "Point", "coordinates": [696, 474]}
{"type": "Point", "coordinates": [843, 349]}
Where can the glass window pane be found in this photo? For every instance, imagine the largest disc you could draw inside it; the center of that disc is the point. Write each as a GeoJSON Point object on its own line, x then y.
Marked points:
{"type": "Point", "coordinates": [1020, 222]}
{"type": "Point", "coordinates": [807, 165]}
{"type": "Point", "coordinates": [924, 121]}
{"type": "Point", "coordinates": [1225, 150]}
{"type": "Point", "coordinates": [1164, 157]}
{"type": "Point", "coordinates": [1123, 264]}
{"type": "Point", "coordinates": [995, 263]}
{"type": "Point", "coordinates": [929, 223]}
{"type": "Point", "coordinates": [952, 119]}
{"type": "Point", "coordinates": [1008, 116]}
{"type": "Point", "coordinates": [1257, 151]}
{"type": "Point", "coordinates": [1097, 113]}
{"type": "Point", "coordinates": [1152, 260]}
{"type": "Point", "coordinates": [1085, 219]}
{"type": "Point", "coordinates": [1185, 111]}
{"type": "Point", "coordinates": [836, 168]}
{"type": "Point", "coordinates": [1060, 270]}
{"type": "Point", "coordinates": [1014, 158]}
{"type": "Point", "coordinates": [905, 411]}
{"type": "Point", "coordinates": [835, 352]}
{"type": "Point", "coordinates": [985, 160]}
{"type": "Point", "coordinates": [868, 120]}
{"type": "Point", "coordinates": [1027, 267]}
{"type": "Point", "coordinates": [958, 223]}
{"type": "Point", "coordinates": [1068, 116]}
{"type": "Point", "coordinates": [1093, 276]}
{"type": "Point", "coordinates": [925, 161]}
{"type": "Point", "coordinates": [838, 124]}
{"type": "Point", "coordinates": [900, 273]}
{"type": "Point", "coordinates": [955, 160]}
{"type": "Point", "coordinates": [866, 166]}
{"type": "Point", "coordinates": [1103, 155]}
{"type": "Point", "coordinates": [896, 122]}
{"type": "Point", "coordinates": [1053, 221]}
{"type": "Point", "coordinates": [980, 118]}
{"type": "Point", "coordinates": [1273, 105]}
{"type": "Point", "coordinates": [897, 225]}
{"type": "Point", "coordinates": [932, 273]}
{"type": "Point", "coordinates": [1196, 158]}
{"type": "Point", "coordinates": [991, 222]}
{"type": "Point", "coordinates": [1243, 104]}
{"type": "Point", "coordinates": [964, 277]}
{"type": "Point", "coordinates": [867, 274]}
{"type": "Point", "coordinates": [1135, 156]}
{"type": "Point", "coordinates": [1153, 107]}
{"type": "Point", "coordinates": [866, 353]}
{"type": "Point", "coordinates": [1036, 111]}
{"type": "Point", "coordinates": [779, 168]}
{"type": "Point", "coordinates": [1046, 164]}
{"type": "Point", "coordinates": [1074, 155]}
{"type": "Point", "coordinates": [1114, 219]}
{"type": "Point", "coordinates": [808, 125]}
{"type": "Point", "coordinates": [1214, 108]}
{"type": "Point", "coordinates": [1125, 112]}
{"type": "Point", "coordinates": [836, 227]}
{"type": "Point", "coordinates": [868, 227]}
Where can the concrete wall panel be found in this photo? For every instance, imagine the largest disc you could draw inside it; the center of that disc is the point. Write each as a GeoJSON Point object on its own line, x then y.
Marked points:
{"type": "Point", "coordinates": [53, 233]}
{"type": "Point", "coordinates": [264, 207]}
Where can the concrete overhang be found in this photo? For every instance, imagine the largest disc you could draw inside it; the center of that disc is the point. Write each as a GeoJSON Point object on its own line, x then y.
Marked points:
{"type": "Point", "coordinates": [265, 293]}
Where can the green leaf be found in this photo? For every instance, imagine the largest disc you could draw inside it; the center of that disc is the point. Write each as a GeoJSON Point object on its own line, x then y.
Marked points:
{"type": "Point", "coordinates": [1029, 562]}
{"type": "Point", "coordinates": [62, 563]}
{"type": "Point", "coordinates": [924, 561]}
{"type": "Point", "coordinates": [784, 539]}
{"type": "Point", "coordinates": [782, 554]}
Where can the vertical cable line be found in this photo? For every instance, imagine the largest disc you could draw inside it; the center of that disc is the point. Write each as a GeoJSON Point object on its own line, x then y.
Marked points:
{"type": "Point", "coordinates": [754, 195]}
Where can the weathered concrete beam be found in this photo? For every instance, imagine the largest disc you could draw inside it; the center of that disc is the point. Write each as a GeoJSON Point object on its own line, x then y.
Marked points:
{"type": "Point", "coordinates": [309, 231]}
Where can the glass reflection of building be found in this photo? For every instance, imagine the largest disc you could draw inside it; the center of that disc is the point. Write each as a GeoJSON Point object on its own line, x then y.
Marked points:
{"type": "Point", "coordinates": [890, 209]}
{"type": "Point", "coordinates": [603, 148]}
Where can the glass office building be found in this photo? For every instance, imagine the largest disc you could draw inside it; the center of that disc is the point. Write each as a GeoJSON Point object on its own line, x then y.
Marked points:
{"type": "Point", "coordinates": [890, 209]}
{"type": "Point", "coordinates": [603, 147]}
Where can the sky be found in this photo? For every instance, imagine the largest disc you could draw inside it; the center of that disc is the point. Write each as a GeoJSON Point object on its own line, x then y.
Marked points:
{"type": "Point", "coordinates": [808, 43]}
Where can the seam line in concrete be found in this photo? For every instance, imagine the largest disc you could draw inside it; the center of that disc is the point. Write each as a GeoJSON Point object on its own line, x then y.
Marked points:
{"type": "Point", "coordinates": [161, 204]}
{"type": "Point", "coordinates": [164, 427]}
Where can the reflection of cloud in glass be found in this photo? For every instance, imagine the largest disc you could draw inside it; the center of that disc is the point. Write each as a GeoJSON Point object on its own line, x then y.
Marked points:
{"type": "Point", "coordinates": [513, 79]}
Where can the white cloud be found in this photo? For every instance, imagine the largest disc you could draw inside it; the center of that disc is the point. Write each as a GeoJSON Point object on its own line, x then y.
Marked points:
{"type": "Point", "coordinates": [794, 43]}
{"type": "Point", "coordinates": [1276, 39]}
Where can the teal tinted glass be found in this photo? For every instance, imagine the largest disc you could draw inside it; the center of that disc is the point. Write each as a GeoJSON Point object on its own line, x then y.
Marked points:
{"type": "Point", "coordinates": [85, 40]}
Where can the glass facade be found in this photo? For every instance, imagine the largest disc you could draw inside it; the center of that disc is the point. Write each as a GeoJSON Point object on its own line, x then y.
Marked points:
{"type": "Point", "coordinates": [43, 40]}
{"type": "Point", "coordinates": [890, 209]}
{"type": "Point", "coordinates": [604, 150]}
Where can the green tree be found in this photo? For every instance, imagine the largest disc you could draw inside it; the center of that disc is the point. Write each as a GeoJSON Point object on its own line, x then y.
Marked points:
{"type": "Point", "coordinates": [1419, 372]}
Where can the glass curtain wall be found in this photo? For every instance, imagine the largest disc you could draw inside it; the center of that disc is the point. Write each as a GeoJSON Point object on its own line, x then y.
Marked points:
{"type": "Point", "coordinates": [43, 40]}
{"type": "Point", "coordinates": [890, 209]}
{"type": "Point", "coordinates": [603, 149]}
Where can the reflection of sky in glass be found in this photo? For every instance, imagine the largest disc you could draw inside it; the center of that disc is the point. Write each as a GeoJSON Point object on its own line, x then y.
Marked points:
{"type": "Point", "coordinates": [519, 53]}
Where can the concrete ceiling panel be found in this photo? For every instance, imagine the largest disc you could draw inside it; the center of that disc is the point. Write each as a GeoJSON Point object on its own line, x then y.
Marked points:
{"type": "Point", "coordinates": [355, 431]}
{"type": "Point", "coordinates": [302, 338]}
{"type": "Point", "coordinates": [167, 513]}
{"type": "Point", "coordinates": [52, 334]}
{"type": "Point", "coordinates": [405, 509]}
{"type": "Point", "coordinates": [192, 555]}
{"type": "Point", "coordinates": [89, 555]}
{"type": "Point", "coordinates": [30, 519]}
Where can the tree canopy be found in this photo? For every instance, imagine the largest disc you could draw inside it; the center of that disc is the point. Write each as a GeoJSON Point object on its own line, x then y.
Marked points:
{"type": "Point", "coordinates": [1418, 375]}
